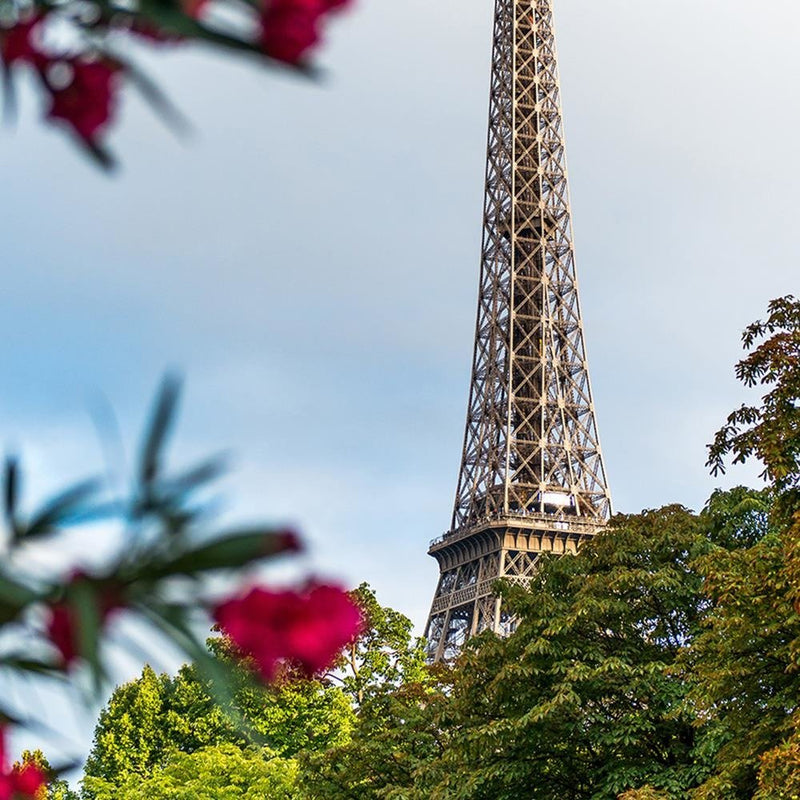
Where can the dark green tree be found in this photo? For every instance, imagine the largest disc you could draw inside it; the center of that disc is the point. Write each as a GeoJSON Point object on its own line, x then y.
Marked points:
{"type": "Point", "coordinates": [397, 733]}
{"type": "Point", "coordinates": [581, 701]}
{"type": "Point", "coordinates": [746, 664]}
{"type": "Point", "coordinates": [588, 699]}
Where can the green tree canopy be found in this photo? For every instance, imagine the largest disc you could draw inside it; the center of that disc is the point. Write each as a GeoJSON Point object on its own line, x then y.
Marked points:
{"type": "Point", "coordinates": [385, 655]}
{"type": "Point", "coordinates": [150, 720]}
{"type": "Point", "coordinates": [582, 702]}
{"type": "Point", "coordinates": [588, 699]}
{"type": "Point", "coordinates": [156, 719]}
{"type": "Point", "coordinates": [223, 772]}
{"type": "Point", "coordinates": [397, 733]}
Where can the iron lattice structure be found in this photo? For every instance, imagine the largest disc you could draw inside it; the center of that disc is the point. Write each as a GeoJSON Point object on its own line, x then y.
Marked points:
{"type": "Point", "coordinates": [532, 476]}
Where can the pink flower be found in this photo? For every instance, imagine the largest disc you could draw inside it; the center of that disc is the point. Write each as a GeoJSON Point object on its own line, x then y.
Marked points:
{"type": "Point", "coordinates": [289, 28]}
{"type": "Point", "coordinates": [86, 102]}
{"type": "Point", "coordinates": [18, 783]}
{"type": "Point", "coordinates": [62, 627]}
{"type": "Point", "coordinates": [61, 630]}
{"type": "Point", "coordinates": [16, 43]}
{"type": "Point", "coordinates": [306, 629]}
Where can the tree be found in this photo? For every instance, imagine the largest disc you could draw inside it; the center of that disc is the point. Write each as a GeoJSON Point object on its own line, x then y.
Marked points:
{"type": "Point", "coordinates": [397, 732]}
{"type": "Point", "coordinates": [384, 655]}
{"type": "Point", "coordinates": [589, 698]}
{"type": "Point", "coordinates": [395, 695]}
{"type": "Point", "coordinates": [580, 702]}
{"type": "Point", "coordinates": [779, 771]}
{"type": "Point", "coordinates": [147, 722]}
{"type": "Point", "coordinates": [743, 682]}
{"type": "Point", "coordinates": [373, 713]}
{"type": "Point", "coordinates": [745, 663]}
{"type": "Point", "coordinates": [130, 737]}
{"type": "Point", "coordinates": [223, 772]}
{"type": "Point", "coordinates": [770, 431]}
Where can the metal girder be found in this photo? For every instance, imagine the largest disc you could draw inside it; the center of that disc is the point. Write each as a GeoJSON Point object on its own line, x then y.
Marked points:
{"type": "Point", "coordinates": [531, 457]}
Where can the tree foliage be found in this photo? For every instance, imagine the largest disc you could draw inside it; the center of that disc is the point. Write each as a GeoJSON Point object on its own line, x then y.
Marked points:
{"type": "Point", "coordinates": [379, 680]}
{"type": "Point", "coordinates": [222, 772]}
{"type": "Point", "coordinates": [150, 720]}
{"type": "Point", "coordinates": [384, 655]}
{"type": "Point", "coordinates": [397, 733]}
{"type": "Point", "coordinates": [582, 701]}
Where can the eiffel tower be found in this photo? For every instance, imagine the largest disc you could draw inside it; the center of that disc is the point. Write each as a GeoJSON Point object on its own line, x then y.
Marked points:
{"type": "Point", "coordinates": [532, 478]}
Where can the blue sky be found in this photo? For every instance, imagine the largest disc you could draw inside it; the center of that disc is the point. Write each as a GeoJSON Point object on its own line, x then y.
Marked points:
{"type": "Point", "coordinates": [309, 256]}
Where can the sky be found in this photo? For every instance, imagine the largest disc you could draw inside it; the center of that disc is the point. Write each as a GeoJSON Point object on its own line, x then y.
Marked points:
{"type": "Point", "coordinates": [308, 258]}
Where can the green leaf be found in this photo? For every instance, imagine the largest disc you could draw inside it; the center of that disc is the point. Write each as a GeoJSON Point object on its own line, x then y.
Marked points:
{"type": "Point", "coordinates": [161, 422]}
{"type": "Point", "coordinates": [64, 508]}
{"type": "Point", "coordinates": [83, 601]}
{"type": "Point", "coordinates": [11, 494]}
{"type": "Point", "coordinates": [196, 477]}
{"type": "Point", "coordinates": [14, 597]}
{"type": "Point", "coordinates": [151, 92]}
{"type": "Point", "coordinates": [236, 549]}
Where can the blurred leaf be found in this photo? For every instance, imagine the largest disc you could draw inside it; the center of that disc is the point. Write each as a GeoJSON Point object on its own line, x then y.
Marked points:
{"type": "Point", "coordinates": [14, 597]}
{"type": "Point", "coordinates": [9, 94]}
{"type": "Point", "coordinates": [98, 153]}
{"type": "Point", "coordinates": [171, 620]}
{"type": "Point", "coordinates": [237, 549]}
{"type": "Point", "coordinates": [196, 477]}
{"type": "Point", "coordinates": [66, 507]}
{"type": "Point", "coordinates": [11, 494]}
{"type": "Point", "coordinates": [33, 665]}
{"type": "Point", "coordinates": [83, 602]}
{"type": "Point", "coordinates": [156, 98]}
{"type": "Point", "coordinates": [163, 417]}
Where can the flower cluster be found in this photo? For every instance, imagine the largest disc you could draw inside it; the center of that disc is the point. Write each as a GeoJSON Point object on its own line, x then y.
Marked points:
{"type": "Point", "coordinates": [81, 90]}
{"type": "Point", "coordinates": [289, 28]}
{"type": "Point", "coordinates": [81, 85]}
{"type": "Point", "coordinates": [305, 630]}
{"type": "Point", "coordinates": [63, 625]}
{"type": "Point", "coordinates": [18, 783]}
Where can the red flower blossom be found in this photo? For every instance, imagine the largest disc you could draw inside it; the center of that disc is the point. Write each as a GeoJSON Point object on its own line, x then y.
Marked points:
{"type": "Point", "coordinates": [62, 627]}
{"type": "Point", "coordinates": [16, 43]}
{"type": "Point", "coordinates": [86, 103]}
{"type": "Point", "coordinates": [18, 783]}
{"type": "Point", "coordinates": [306, 629]}
{"type": "Point", "coordinates": [291, 27]}
{"type": "Point", "coordinates": [61, 632]}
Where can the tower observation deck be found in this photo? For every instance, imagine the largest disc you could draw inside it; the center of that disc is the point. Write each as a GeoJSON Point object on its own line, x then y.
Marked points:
{"type": "Point", "coordinates": [532, 478]}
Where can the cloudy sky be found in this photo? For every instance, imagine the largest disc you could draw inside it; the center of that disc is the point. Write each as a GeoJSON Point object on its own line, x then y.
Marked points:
{"type": "Point", "coordinates": [309, 256]}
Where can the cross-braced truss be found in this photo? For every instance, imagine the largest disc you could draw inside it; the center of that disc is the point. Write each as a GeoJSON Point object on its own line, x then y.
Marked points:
{"type": "Point", "coordinates": [531, 467]}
